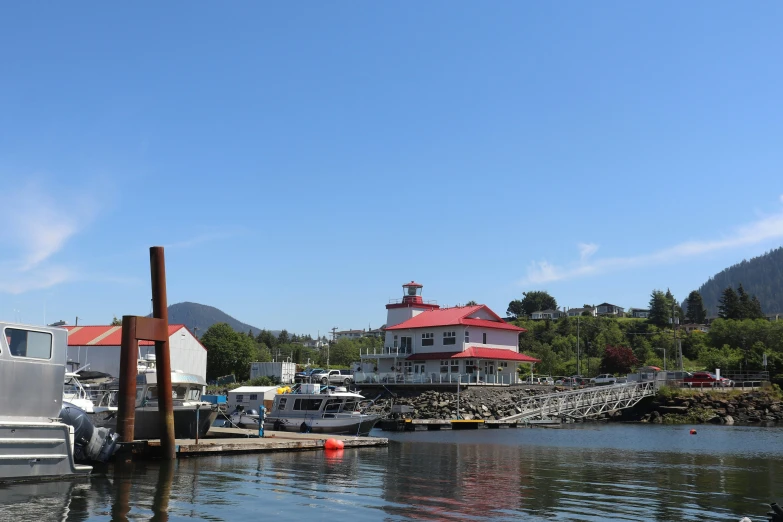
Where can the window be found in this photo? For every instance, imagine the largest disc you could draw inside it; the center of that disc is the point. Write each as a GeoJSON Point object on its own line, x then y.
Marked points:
{"type": "Point", "coordinates": [308, 404]}
{"type": "Point", "coordinates": [333, 405]}
{"type": "Point", "coordinates": [395, 341]}
{"type": "Point", "coordinates": [484, 338]}
{"type": "Point", "coordinates": [454, 366]}
{"type": "Point", "coordinates": [449, 338]}
{"type": "Point", "coordinates": [194, 394]}
{"type": "Point", "coordinates": [152, 393]}
{"type": "Point", "coordinates": [427, 339]}
{"type": "Point", "coordinates": [469, 365]}
{"type": "Point", "coordinates": [350, 406]}
{"type": "Point", "coordinates": [503, 364]}
{"type": "Point", "coordinates": [467, 336]}
{"type": "Point", "coordinates": [281, 404]}
{"type": "Point", "coordinates": [240, 398]}
{"type": "Point", "coordinates": [408, 367]}
{"type": "Point", "coordinates": [444, 366]}
{"type": "Point", "coordinates": [254, 397]}
{"type": "Point", "coordinates": [24, 343]}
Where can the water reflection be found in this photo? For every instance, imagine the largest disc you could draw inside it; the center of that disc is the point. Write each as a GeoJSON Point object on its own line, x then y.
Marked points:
{"type": "Point", "coordinates": [607, 473]}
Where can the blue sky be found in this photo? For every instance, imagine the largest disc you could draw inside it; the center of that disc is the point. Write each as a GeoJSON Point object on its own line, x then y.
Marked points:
{"type": "Point", "coordinates": [300, 164]}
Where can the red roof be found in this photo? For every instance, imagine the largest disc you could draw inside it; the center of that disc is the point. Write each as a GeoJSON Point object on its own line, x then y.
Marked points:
{"type": "Point", "coordinates": [455, 316]}
{"type": "Point", "coordinates": [413, 283]}
{"type": "Point", "coordinates": [105, 335]}
{"type": "Point", "coordinates": [474, 352]}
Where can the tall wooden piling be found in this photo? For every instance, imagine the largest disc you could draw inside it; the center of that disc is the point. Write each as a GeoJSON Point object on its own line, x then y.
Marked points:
{"type": "Point", "coordinates": [162, 353]}
{"type": "Point", "coordinates": [129, 354]}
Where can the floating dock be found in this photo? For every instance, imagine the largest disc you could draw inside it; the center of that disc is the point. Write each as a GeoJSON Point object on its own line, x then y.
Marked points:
{"type": "Point", "coordinates": [224, 441]}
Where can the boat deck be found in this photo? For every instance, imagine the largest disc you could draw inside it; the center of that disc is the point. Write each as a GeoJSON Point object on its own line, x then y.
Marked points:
{"type": "Point", "coordinates": [223, 441]}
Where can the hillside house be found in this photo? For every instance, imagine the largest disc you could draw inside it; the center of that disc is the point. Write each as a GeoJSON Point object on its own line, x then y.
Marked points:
{"type": "Point", "coordinates": [609, 309]}
{"type": "Point", "coordinates": [639, 313]}
{"type": "Point", "coordinates": [577, 312]}
{"type": "Point", "coordinates": [547, 314]}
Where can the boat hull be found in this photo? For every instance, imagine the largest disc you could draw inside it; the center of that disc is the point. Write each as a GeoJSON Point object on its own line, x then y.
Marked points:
{"type": "Point", "coordinates": [353, 425]}
{"type": "Point", "coordinates": [37, 450]}
{"type": "Point", "coordinates": [147, 422]}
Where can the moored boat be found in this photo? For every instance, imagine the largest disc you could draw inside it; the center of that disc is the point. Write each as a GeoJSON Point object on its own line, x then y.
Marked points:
{"type": "Point", "coordinates": [313, 409]}
{"type": "Point", "coordinates": [40, 436]}
{"type": "Point", "coordinates": [191, 414]}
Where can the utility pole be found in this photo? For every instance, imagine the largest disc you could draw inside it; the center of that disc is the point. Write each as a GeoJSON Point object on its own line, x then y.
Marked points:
{"type": "Point", "coordinates": [577, 346]}
{"type": "Point", "coordinates": [334, 338]}
{"type": "Point", "coordinates": [674, 341]}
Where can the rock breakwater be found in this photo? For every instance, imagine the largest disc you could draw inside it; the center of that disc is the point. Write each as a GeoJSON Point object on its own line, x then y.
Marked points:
{"type": "Point", "coordinates": [716, 407]}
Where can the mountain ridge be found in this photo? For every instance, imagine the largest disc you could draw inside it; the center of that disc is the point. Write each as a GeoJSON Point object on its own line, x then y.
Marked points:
{"type": "Point", "coordinates": [761, 276]}
{"type": "Point", "coordinates": [199, 317]}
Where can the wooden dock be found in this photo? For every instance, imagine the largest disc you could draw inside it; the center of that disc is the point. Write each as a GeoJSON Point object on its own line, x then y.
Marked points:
{"type": "Point", "coordinates": [223, 441]}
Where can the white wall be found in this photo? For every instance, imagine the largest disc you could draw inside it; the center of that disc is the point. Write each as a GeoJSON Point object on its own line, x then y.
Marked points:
{"type": "Point", "coordinates": [187, 355]}
{"type": "Point", "coordinates": [398, 315]}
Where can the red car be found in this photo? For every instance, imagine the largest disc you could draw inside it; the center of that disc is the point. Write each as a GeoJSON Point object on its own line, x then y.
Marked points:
{"type": "Point", "coordinates": [705, 380]}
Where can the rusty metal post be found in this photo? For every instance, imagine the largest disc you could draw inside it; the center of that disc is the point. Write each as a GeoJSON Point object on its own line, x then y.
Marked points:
{"type": "Point", "coordinates": [162, 354]}
{"type": "Point", "coordinates": [129, 354]}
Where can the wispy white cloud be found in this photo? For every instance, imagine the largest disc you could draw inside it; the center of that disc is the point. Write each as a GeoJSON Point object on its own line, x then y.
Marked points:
{"type": "Point", "coordinates": [36, 222]}
{"type": "Point", "coordinates": [763, 229]}
{"type": "Point", "coordinates": [586, 250]}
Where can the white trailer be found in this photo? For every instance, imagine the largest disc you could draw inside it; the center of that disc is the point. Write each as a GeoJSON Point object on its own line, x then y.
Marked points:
{"type": "Point", "coordinates": [282, 371]}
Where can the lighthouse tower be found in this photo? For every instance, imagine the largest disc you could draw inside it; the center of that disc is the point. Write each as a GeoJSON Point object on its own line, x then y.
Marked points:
{"type": "Point", "coordinates": [409, 306]}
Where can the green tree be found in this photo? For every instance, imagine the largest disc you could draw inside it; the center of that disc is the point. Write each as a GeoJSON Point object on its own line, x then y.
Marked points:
{"type": "Point", "coordinates": [696, 312]}
{"type": "Point", "coordinates": [749, 305]}
{"type": "Point", "coordinates": [471, 303]}
{"type": "Point", "coordinates": [660, 310]}
{"type": "Point", "coordinates": [729, 305]}
{"type": "Point", "coordinates": [228, 352]}
{"type": "Point", "coordinates": [537, 300]}
{"type": "Point", "coordinates": [515, 309]}
{"type": "Point", "coordinates": [283, 337]}
{"type": "Point", "coordinates": [343, 352]}
{"type": "Point", "coordinates": [263, 354]}
{"type": "Point", "coordinates": [265, 337]}
{"type": "Point", "coordinates": [116, 322]}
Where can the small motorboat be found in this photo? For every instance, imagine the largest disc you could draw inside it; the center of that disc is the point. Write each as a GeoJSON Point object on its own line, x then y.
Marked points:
{"type": "Point", "coordinates": [316, 409]}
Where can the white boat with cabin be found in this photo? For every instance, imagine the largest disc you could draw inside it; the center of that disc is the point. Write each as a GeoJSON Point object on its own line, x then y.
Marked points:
{"type": "Point", "coordinates": [34, 441]}
{"type": "Point", "coordinates": [313, 409]}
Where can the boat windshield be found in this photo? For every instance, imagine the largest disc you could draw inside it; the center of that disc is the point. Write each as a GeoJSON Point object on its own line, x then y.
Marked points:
{"type": "Point", "coordinates": [350, 406]}
{"type": "Point", "coordinates": [308, 404]}
{"type": "Point", "coordinates": [333, 405]}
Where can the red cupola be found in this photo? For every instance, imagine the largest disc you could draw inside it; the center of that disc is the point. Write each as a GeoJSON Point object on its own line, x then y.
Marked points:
{"type": "Point", "coordinates": [412, 293]}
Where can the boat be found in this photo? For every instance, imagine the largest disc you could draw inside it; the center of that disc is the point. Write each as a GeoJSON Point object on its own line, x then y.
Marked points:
{"type": "Point", "coordinates": [312, 409]}
{"type": "Point", "coordinates": [40, 434]}
{"type": "Point", "coordinates": [191, 414]}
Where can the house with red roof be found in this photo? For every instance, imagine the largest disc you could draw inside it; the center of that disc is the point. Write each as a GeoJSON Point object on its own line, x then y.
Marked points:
{"type": "Point", "coordinates": [99, 346]}
{"type": "Point", "coordinates": [425, 343]}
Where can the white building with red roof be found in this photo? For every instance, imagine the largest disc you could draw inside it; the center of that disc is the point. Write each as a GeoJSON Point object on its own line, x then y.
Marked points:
{"type": "Point", "coordinates": [428, 344]}
{"type": "Point", "coordinates": [99, 346]}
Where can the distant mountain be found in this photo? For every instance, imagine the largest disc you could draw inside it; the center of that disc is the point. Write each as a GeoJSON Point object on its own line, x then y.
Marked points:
{"type": "Point", "coordinates": [194, 315]}
{"type": "Point", "coordinates": [761, 276]}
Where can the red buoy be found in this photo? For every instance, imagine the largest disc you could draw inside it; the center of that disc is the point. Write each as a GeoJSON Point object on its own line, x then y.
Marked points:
{"type": "Point", "coordinates": [693, 432]}
{"type": "Point", "coordinates": [334, 444]}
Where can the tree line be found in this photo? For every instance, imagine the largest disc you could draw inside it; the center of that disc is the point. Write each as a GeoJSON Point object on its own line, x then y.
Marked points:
{"type": "Point", "coordinates": [231, 352]}
{"type": "Point", "coordinates": [737, 340]}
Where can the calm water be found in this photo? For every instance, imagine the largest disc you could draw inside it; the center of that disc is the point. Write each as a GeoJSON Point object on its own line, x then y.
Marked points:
{"type": "Point", "coordinates": [617, 472]}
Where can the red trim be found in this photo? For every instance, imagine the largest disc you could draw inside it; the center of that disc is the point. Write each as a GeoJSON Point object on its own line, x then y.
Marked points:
{"type": "Point", "coordinates": [475, 352]}
{"type": "Point", "coordinates": [413, 284]}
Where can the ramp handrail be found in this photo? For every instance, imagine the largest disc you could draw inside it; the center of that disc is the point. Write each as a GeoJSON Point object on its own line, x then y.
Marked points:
{"type": "Point", "coordinates": [583, 403]}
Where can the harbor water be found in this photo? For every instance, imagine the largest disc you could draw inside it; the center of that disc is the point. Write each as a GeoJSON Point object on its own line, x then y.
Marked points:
{"type": "Point", "coordinates": [587, 472]}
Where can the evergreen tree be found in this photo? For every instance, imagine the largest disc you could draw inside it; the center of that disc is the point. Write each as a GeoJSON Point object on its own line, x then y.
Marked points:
{"type": "Point", "coordinates": [660, 310]}
{"type": "Point", "coordinates": [755, 309]}
{"type": "Point", "coordinates": [696, 312]}
{"type": "Point", "coordinates": [729, 305]}
{"type": "Point", "coordinates": [283, 337]}
{"type": "Point", "coordinates": [265, 337]}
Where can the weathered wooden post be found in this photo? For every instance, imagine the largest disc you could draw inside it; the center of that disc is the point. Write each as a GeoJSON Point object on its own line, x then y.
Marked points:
{"type": "Point", "coordinates": [160, 311]}
{"type": "Point", "coordinates": [155, 328]}
{"type": "Point", "coordinates": [129, 354]}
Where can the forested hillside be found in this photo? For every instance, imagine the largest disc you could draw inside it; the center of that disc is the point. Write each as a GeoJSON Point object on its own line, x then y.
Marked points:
{"type": "Point", "coordinates": [761, 276]}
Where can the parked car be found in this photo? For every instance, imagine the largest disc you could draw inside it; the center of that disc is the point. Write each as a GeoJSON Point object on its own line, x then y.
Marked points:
{"type": "Point", "coordinates": [544, 381]}
{"type": "Point", "coordinates": [305, 375]}
{"type": "Point", "coordinates": [333, 377]}
{"type": "Point", "coordinates": [706, 380]}
{"type": "Point", "coordinates": [549, 381]}
{"type": "Point", "coordinates": [604, 378]}
{"type": "Point", "coordinates": [571, 381]}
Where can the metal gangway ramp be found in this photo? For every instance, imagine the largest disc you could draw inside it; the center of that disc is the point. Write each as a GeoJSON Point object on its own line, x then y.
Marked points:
{"type": "Point", "coordinates": [585, 402]}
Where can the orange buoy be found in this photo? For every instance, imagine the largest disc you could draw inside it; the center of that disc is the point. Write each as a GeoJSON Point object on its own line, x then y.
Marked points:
{"type": "Point", "coordinates": [693, 432]}
{"type": "Point", "coordinates": [333, 444]}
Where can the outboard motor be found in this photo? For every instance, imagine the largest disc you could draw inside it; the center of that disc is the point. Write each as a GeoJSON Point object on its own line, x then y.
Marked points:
{"type": "Point", "coordinates": [90, 443]}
